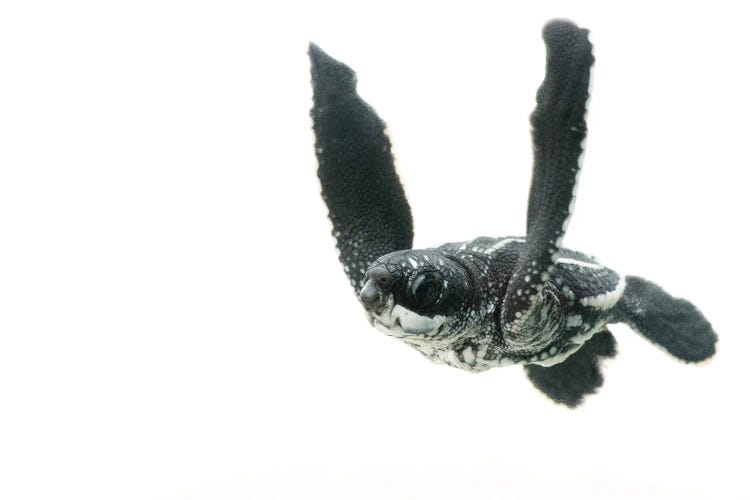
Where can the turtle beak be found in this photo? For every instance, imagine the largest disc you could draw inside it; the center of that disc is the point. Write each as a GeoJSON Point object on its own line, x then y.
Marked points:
{"type": "Point", "coordinates": [374, 293]}
{"type": "Point", "coordinates": [376, 290]}
{"type": "Point", "coordinates": [372, 297]}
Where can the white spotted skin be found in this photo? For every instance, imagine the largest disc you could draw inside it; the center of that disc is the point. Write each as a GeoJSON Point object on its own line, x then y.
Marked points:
{"type": "Point", "coordinates": [397, 321]}
{"type": "Point", "coordinates": [577, 300]}
{"type": "Point", "coordinates": [573, 321]}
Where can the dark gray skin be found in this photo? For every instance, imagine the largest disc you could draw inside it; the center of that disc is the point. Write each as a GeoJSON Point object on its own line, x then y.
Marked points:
{"type": "Point", "coordinates": [491, 301]}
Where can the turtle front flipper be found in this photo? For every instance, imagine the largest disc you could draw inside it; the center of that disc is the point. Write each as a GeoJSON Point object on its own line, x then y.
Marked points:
{"type": "Point", "coordinates": [580, 374]}
{"type": "Point", "coordinates": [366, 202]}
{"type": "Point", "coordinates": [558, 129]}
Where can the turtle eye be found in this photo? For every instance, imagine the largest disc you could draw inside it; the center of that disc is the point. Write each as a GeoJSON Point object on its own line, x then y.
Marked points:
{"type": "Point", "coordinates": [425, 290]}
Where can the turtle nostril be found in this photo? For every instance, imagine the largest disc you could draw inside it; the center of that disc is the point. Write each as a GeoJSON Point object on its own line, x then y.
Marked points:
{"type": "Point", "coordinates": [382, 278]}
{"type": "Point", "coordinates": [369, 293]}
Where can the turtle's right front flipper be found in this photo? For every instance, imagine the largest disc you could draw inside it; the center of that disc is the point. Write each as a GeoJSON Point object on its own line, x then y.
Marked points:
{"type": "Point", "coordinates": [558, 130]}
{"type": "Point", "coordinates": [366, 202]}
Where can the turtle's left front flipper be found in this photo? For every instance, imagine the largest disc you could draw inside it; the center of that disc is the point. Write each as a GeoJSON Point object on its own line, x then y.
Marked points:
{"type": "Point", "coordinates": [580, 374]}
{"type": "Point", "coordinates": [365, 200]}
{"type": "Point", "coordinates": [558, 129]}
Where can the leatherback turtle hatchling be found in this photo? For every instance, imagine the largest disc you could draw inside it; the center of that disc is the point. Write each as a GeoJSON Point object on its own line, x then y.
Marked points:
{"type": "Point", "coordinates": [490, 301]}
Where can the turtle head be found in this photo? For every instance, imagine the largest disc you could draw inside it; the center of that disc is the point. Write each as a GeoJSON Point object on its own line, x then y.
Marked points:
{"type": "Point", "coordinates": [416, 295]}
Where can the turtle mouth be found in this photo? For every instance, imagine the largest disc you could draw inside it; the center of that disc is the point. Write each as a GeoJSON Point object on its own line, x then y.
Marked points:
{"type": "Point", "coordinates": [397, 330]}
{"type": "Point", "coordinates": [397, 321]}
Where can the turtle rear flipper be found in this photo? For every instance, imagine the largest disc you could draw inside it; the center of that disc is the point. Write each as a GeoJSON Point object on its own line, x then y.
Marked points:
{"type": "Point", "coordinates": [672, 323]}
{"type": "Point", "coordinates": [580, 374]}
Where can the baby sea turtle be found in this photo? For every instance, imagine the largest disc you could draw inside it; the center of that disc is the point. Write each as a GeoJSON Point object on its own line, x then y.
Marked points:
{"type": "Point", "coordinates": [490, 301]}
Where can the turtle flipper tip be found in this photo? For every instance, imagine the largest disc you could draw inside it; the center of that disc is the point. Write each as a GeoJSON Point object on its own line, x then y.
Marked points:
{"type": "Point", "coordinates": [331, 79]}
{"type": "Point", "coordinates": [561, 26]}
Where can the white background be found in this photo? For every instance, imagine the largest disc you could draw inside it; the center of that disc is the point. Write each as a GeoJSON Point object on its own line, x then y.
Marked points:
{"type": "Point", "coordinates": [174, 322]}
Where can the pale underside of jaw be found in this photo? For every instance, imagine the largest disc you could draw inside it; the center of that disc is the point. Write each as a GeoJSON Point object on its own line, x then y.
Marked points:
{"type": "Point", "coordinates": [397, 321]}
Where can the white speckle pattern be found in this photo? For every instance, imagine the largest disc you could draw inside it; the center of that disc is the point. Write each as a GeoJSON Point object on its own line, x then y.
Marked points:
{"type": "Point", "coordinates": [469, 355]}
{"type": "Point", "coordinates": [574, 320]}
